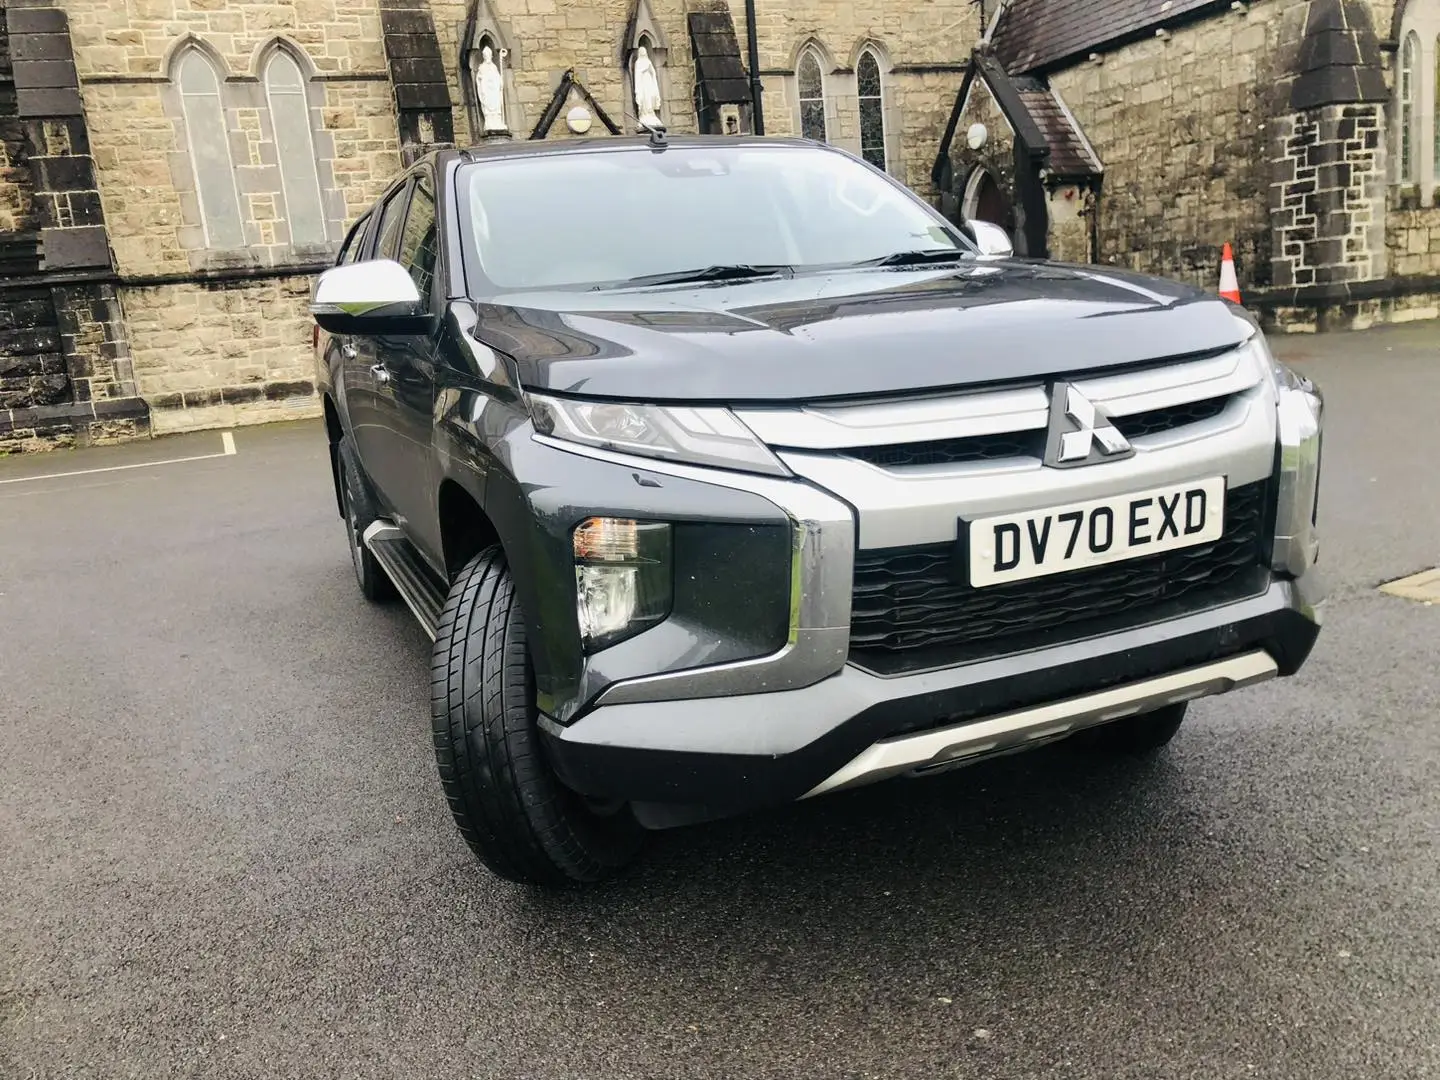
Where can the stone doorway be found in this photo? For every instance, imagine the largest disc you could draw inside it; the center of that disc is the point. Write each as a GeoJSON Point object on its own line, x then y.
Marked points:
{"type": "Point", "coordinates": [985, 200]}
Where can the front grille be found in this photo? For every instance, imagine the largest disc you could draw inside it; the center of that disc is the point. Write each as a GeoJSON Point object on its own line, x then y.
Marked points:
{"type": "Point", "coordinates": [954, 451]}
{"type": "Point", "coordinates": [1157, 420]}
{"type": "Point", "coordinates": [1029, 444]}
{"type": "Point", "coordinates": [909, 604]}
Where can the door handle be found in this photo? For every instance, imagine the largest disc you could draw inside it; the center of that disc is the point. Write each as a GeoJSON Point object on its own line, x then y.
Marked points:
{"type": "Point", "coordinates": [381, 373]}
{"type": "Point", "coordinates": [348, 351]}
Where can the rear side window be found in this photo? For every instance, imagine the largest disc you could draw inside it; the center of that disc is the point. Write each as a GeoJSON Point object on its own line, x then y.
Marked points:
{"type": "Point", "coordinates": [391, 219]}
{"type": "Point", "coordinates": [417, 241]}
{"type": "Point", "coordinates": [354, 243]}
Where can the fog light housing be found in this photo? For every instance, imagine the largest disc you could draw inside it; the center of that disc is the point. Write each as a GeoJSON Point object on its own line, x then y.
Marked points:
{"type": "Point", "coordinates": [623, 578]}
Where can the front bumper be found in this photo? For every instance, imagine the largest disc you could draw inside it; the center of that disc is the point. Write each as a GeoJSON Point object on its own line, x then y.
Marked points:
{"type": "Point", "coordinates": [687, 760]}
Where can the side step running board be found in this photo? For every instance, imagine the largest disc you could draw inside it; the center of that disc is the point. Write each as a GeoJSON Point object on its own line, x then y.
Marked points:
{"type": "Point", "coordinates": [414, 581]}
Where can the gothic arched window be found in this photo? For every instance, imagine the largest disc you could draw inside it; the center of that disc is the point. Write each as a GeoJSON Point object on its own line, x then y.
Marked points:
{"type": "Point", "coordinates": [871, 92]}
{"type": "Point", "coordinates": [810, 81]}
{"type": "Point", "coordinates": [285, 93]}
{"type": "Point", "coordinates": [207, 137]}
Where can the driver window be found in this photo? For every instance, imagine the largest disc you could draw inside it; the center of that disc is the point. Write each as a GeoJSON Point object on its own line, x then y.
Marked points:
{"type": "Point", "coordinates": [417, 240]}
{"type": "Point", "coordinates": [391, 218]}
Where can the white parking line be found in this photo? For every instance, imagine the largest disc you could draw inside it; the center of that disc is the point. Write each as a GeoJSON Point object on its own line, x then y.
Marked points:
{"type": "Point", "coordinates": [227, 444]}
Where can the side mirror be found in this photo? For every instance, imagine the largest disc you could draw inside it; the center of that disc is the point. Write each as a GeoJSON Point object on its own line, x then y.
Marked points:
{"type": "Point", "coordinates": [991, 239]}
{"type": "Point", "coordinates": [374, 297]}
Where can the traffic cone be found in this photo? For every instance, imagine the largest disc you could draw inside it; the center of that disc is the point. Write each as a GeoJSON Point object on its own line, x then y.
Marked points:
{"type": "Point", "coordinates": [1229, 284]}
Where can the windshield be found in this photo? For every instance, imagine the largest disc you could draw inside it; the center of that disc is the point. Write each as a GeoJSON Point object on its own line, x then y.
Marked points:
{"type": "Point", "coordinates": [608, 218]}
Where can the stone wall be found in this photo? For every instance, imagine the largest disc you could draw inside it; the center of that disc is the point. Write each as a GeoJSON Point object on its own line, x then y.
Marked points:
{"type": "Point", "coordinates": [1382, 13]}
{"type": "Point", "coordinates": [1412, 232]}
{"type": "Point", "coordinates": [122, 54]}
{"type": "Point", "coordinates": [926, 46]}
{"type": "Point", "coordinates": [548, 37]}
{"type": "Point", "coordinates": [16, 205]}
{"type": "Point", "coordinates": [1070, 208]}
{"type": "Point", "coordinates": [918, 106]}
{"type": "Point", "coordinates": [1412, 238]}
{"type": "Point", "coordinates": [19, 226]}
{"type": "Point", "coordinates": [65, 373]}
{"type": "Point", "coordinates": [236, 349]}
{"type": "Point", "coordinates": [207, 357]}
{"type": "Point", "coordinates": [135, 37]}
{"type": "Point", "coordinates": [93, 339]}
{"type": "Point", "coordinates": [1180, 124]}
{"type": "Point", "coordinates": [1328, 196]}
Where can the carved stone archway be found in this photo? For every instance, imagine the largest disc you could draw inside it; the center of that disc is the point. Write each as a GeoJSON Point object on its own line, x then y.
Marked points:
{"type": "Point", "coordinates": [985, 200]}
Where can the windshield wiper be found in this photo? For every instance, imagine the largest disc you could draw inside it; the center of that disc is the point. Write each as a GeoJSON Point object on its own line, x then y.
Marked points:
{"type": "Point", "coordinates": [918, 258]}
{"type": "Point", "coordinates": [735, 272]}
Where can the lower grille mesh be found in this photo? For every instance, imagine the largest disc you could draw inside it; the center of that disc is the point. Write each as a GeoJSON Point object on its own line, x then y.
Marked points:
{"type": "Point", "coordinates": [911, 599]}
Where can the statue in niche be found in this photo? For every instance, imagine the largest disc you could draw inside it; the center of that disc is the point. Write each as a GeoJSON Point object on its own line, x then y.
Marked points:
{"type": "Point", "coordinates": [490, 89]}
{"type": "Point", "coordinates": [647, 90]}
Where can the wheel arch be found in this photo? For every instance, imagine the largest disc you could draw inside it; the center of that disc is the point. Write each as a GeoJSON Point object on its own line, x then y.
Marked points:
{"type": "Point", "coordinates": [478, 507]}
{"type": "Point", "coordinates": [465, 528]}
{"type": "Point", "coordinates": [335, 431]}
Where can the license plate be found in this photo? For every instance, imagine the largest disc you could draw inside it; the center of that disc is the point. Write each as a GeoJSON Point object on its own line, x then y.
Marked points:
{"type": "Point", "coordinates": [1036, 543]}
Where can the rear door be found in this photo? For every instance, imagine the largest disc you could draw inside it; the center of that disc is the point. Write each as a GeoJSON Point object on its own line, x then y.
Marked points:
{"type": "Point", "coordinates": [407, 366]}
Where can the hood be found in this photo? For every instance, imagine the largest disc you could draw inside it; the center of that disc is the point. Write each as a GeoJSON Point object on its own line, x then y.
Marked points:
{"type": "Point", "coordinates": [851, 333]}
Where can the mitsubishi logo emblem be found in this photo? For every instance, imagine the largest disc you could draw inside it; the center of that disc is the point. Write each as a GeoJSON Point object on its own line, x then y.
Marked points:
{"type": "Point", "coordinates": [1080, 433]}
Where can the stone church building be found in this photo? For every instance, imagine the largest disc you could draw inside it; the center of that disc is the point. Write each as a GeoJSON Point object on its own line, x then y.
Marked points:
{"type": "Point", "coordinates": [1149, 133]}
{"type": "Point", "coordinates": [173, 173]}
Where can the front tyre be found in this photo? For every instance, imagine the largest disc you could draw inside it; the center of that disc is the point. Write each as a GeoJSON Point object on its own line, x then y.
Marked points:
{"type": "Point", "coordinates": [518, 819]}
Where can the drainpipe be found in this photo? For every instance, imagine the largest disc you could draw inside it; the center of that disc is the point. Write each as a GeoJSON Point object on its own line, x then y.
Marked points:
{"type": "Point", "coordinates": [757, 109]}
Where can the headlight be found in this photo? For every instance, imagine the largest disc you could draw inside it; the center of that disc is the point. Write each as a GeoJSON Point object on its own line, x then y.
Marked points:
{"type": "Point", "coordinates": [1300, 410]}
{"type": "Point", "coordinates": [623, 578]}
{"type": "Point", "coordinates": [696, 436]}
{"type": "Point", "coordinates": [1279, 376]}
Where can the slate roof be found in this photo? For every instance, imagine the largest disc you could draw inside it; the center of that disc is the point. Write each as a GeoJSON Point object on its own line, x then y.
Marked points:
{"type": "Point", "coordinates": [1071, 157]}
{"type": "Point", "coordinates": [1033, 35]}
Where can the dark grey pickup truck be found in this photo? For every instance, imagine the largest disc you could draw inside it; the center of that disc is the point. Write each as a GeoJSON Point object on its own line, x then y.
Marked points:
{"type": "Point", "coordinates": [725, 473]}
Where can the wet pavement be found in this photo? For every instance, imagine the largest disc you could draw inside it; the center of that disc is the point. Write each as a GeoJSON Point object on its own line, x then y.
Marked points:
{"type": "Point", "coordinates": [225, 852]}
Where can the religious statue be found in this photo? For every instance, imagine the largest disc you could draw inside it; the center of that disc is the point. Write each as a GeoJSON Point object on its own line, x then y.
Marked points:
{"type": "Point", "coordinates": [491, 91]}
{"type": "Point", "coordinates": [647, 90]}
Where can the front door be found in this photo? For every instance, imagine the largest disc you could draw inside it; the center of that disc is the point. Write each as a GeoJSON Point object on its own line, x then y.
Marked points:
{"type": "Point", "coordinates": [366, 388]}
{"type": "Point", "coordinates": [336, 352]}
{"type": "Point", "coordinates": [405, 365]}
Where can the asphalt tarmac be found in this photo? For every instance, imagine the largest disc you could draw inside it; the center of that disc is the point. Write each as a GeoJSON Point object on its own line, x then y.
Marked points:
{"type": "Point", "coordinates": [224, 850]}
